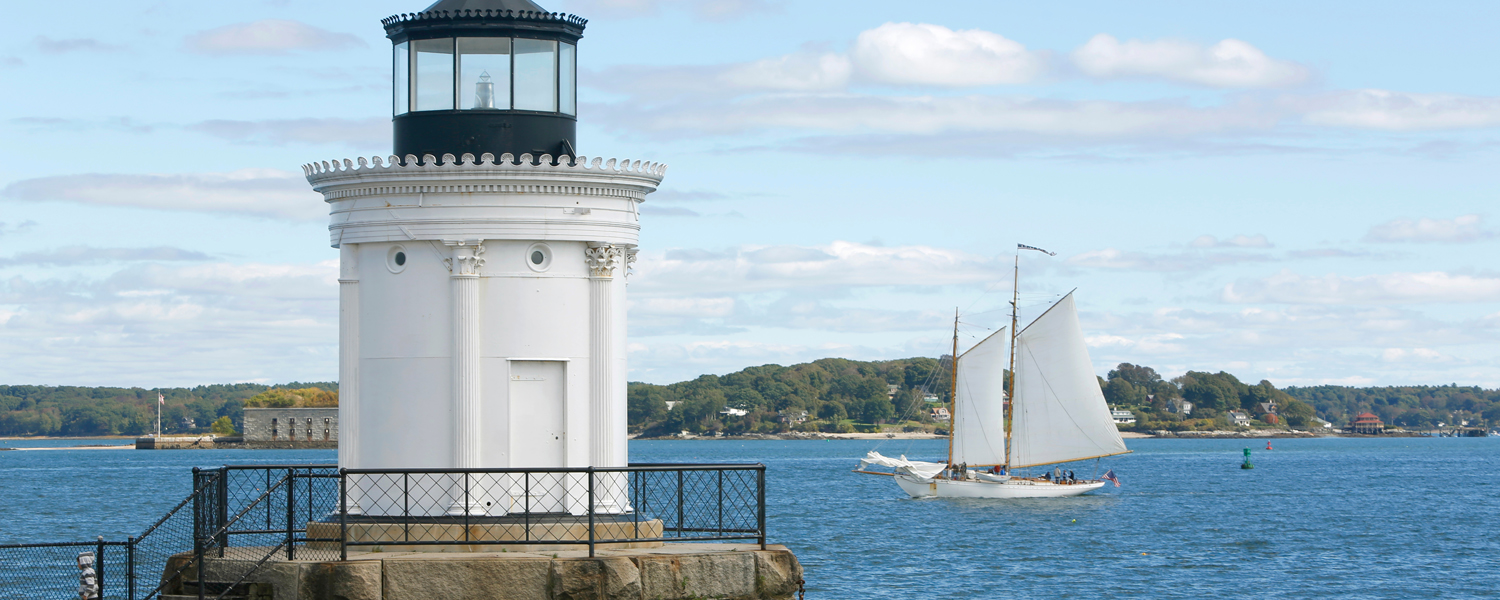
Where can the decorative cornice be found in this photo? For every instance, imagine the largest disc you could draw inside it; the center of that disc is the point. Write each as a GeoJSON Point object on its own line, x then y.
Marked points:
{"type": "Point", "coordinates": [602, 259]}
{"type": "Point", "coordinates": [519, 15]}
{"type": "Point", "coordinates": [318, 172]}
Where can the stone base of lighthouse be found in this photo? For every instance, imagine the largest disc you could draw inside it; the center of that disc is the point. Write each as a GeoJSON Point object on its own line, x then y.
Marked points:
{"type": "Point", "coordinates": [739, 571]}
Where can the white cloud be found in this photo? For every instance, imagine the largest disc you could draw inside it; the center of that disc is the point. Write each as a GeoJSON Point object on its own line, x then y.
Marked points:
{"type": "Point", "coordinates": [839, 264]}
{"type": "Point", "coordinates": [1467, 228]}
{"type": "Point", "coordinates": [156, 324]}
{"type": "Point", "coordinates": [50, 46]}
{"type": "Point", "coordinates": [799, 72]}
{"type": "Point", "coordinates": [270, 36]}
{"type": "Point", "coordinates": [1114, 259]}
{"type": "Point", "coordinates": [82, 255]}
{"type": "Point", "coordinates": [1399, 111]}
{"type": "Point", "coordinates": [929, 115]}
{"type": "Point", "coordinates": [1393, 288]}
{"type": "Point", "coordinates": [1405, 354]}
{"type": "Point", "coordinates": [254, 192]}
{"type": "Point", "coordinates": [1238, 241]}
{"type": "Point", "coordinates": [22, 227]}
{"type": "Point", "coordinates": [1230, 63]}
{"type": "Point", "coordinates": [925, 54]}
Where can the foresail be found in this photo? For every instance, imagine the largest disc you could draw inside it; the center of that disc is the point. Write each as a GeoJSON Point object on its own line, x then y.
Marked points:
{"type": "Point", "coordinates": [1060, 413]}
{"type": "Point", "coordinates": [923, 470]}
{"type": "Point", "coordinates": [979, 426]}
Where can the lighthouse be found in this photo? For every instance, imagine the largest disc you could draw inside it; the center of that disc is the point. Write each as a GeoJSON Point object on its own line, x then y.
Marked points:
{"type": "Point", "coordinates": [483, 263]}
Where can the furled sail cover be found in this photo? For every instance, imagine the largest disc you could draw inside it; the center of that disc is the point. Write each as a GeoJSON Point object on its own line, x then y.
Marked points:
{"type": "Point", "coordinates": [1060, 413]}
{"type": "Point", "coordinates": [923, 470]}
{"type": "Point", "coordinates": [979, 426]}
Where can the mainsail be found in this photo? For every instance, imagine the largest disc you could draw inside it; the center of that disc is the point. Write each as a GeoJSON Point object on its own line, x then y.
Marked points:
{"type": "Point", "coordinates": [1060, 413]}
{"type": "Point", "coordinates": [979, 426]}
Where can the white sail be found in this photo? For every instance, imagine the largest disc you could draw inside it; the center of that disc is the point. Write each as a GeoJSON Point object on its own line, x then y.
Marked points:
{"type": "Point", "coordinates": [917, 468]}
{"type": "Point", "coordinates": [1060, 413]}
{"type": "Point", "coordinates": [979, 426]}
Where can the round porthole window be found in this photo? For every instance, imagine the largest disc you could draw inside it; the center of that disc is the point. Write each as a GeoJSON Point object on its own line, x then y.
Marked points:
{"type": "Point", "coordinates": [395, 259]}
{"type": "Point", "coordinates": [539, 257]}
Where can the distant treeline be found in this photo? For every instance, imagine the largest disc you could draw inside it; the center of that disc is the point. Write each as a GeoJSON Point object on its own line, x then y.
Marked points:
{"type": "Point", "coordinates": [86, 411]}
{"type": "Point", "coordinates": [848, 395]}
{"type": "Point", "coordinates": [1417, 406]}
{"type": "Point", "coordinates": [834, 392]}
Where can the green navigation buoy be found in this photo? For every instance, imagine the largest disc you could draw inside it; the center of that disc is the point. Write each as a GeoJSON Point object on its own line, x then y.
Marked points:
{"type": "Point", "coordinates": [1246, 464]}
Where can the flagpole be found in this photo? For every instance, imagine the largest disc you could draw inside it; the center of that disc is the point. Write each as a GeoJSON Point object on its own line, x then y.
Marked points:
{"type": "Point", "coordinates": [160, 400]}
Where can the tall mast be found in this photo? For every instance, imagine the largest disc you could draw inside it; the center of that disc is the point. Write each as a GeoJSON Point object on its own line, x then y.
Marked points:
{"type": "Point", "coordinates": [1010, 396]}
{"type": "Point", "coordinates": [953, 395]}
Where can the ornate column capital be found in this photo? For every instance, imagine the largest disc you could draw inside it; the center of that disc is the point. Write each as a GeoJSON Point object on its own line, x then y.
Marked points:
{"type": "Point", "coordinates": [630, 256]}
{"type": "Point", "coordinates": [468, 257]}
{"type": "Point", "coordinates": [602, 258]}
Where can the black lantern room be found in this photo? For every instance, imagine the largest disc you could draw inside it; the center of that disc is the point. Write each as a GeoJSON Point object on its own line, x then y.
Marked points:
{"type": "Point", "coordinates": [476, 76]}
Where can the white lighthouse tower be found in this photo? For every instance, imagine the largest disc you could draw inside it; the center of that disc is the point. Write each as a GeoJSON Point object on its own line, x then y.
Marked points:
{"type": "Point", "coordinates": [483, 264]}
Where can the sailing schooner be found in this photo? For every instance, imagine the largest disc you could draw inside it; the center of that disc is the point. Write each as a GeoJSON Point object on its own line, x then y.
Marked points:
{"type": "Point", "coordinates": [1058, 415]}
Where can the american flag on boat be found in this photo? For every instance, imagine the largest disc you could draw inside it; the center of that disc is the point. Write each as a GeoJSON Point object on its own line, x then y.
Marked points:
{"type": "Point", "coordinates": [1110, 476]}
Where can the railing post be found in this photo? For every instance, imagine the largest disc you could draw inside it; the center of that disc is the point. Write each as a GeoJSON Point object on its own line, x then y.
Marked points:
{"type": "Point", "coordinates": [129, 568]}
{"type": "Point", "coordinates": [405, 506]}
{"type": "Point", "coordinates": [721, 503]}
{"type": "Point", "coordinates": [591, 511]}
{"type": "Point", "coordinates": [222, 515]}
{"type": "Point", "coordinates": [526, 496]}
{"type": "Point", "coordinates": [99, 572]}
{"type": "Point", "coordinates": [760, 501]}
{"type": "Point", "coordinates": [198, 530]}
{"type": "Point", "coordinates": [343, 515]}
{"type": "Point", "coordinates": [636, 504]}
{"type": "Point", "coordinates": [679, 501]}
{"type": "Point", "coordinates": [291, 513]}
{"type": "Point", "coordinates": [466, 506]}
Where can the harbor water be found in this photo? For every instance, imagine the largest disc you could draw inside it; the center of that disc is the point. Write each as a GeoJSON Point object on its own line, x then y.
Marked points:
{"type": "Point", "coordinates": [1348, 518]}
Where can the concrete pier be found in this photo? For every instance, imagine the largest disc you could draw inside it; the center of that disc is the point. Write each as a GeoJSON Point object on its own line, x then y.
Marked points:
{"type": "Point", "coordinates": [670, 572]}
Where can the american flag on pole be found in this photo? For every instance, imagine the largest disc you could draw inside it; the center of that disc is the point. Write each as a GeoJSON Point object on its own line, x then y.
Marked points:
{"type": "Point", "coordinates": [1025, 247]}
{"type": "Point", "coordinates": [1110, 476]}
{"type": "Point", "coordinates": [160, 399]}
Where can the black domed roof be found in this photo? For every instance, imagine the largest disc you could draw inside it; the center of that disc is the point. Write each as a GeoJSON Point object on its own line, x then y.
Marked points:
{"type": "Point", "coordinates": [516, 5]}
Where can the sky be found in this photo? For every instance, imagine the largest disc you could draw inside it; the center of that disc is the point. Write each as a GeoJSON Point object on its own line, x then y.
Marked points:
{"type": "Point", "coordinates": [1284, 191]}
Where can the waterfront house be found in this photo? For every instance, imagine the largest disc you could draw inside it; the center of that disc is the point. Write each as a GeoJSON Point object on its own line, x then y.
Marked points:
{"type": "Point", "coordinates": [1180, 407]}
{"type": "Point", "coordinates": [940, 414]}
{"type": "Point", "coordinates": [734, 412]}
{"type": "Point", "coordinates": [1323, 424]}
{"type": "Point", "coordinates": [891, 390]}
{"type": "Point", "coordinates": [1366, 423]}
{"type": "Point", "coordinates": [1237, 418]}
{"type": "Point", "coordinates": [792, 417]}
{"type": "Point", "coordinates": [1123, 417]}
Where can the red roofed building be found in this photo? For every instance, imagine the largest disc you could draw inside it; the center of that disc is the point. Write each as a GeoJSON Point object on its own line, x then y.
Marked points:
{"type": "Point", "coordinates": [1367, 423]}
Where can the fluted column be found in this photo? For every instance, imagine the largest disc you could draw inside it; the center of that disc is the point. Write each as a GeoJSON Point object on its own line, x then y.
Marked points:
{"type": "Point", "coordinates": [602, 259]}
{"type": "Point", "coordinates": [468, 258]}
{"type": "Point", "coordinates": [348, 356]}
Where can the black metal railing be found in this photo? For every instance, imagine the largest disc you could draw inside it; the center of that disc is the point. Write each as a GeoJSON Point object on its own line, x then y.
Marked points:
{"type": "Point", "coordinates": [584, 506]}
{"type": "Point", "coordinates": [237, 518]}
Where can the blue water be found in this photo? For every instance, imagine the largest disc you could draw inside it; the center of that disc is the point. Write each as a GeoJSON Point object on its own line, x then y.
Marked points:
{"type": "Point", "coordinates": [1351, 518]}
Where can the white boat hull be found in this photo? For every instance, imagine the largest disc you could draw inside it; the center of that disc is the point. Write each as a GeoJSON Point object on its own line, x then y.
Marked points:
{"type": "Point", "coordinates": [1014, 488]}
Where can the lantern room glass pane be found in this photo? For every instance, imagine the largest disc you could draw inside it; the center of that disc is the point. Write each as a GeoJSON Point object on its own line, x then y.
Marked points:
{"type": "Point", "coordinates": [567, 69]}
{"type": "Point", "coordinates": [401, 79]}
{"type": "Point", "coordinates": [434, 74]}
{"type": "Point", "coordinates": [536, 75]}
{"type": "Point", "coordinates": [484, 73]}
